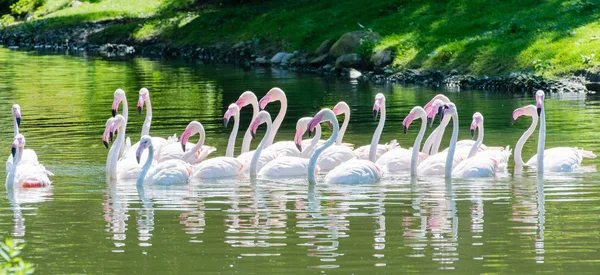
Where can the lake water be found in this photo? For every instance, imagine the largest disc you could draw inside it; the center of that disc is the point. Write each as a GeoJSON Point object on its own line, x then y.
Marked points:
{"type": "Point", "coordinates": [84, 225]}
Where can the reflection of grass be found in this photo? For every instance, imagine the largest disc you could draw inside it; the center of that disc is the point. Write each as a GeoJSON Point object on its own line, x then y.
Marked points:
{"type": "Point", "coordinates": [481, 37]}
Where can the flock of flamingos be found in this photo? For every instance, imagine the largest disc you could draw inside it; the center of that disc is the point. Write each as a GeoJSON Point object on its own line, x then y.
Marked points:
{"type": "Point", "coordinates": [172, 161]}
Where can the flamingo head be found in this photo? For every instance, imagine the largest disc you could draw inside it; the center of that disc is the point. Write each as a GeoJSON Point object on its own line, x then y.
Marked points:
{"type": "Point", "coordinates": [144, 96]}
{"type": "Point", "coordinates": [145, 142]}
{"type": "Point", "coordinates": [529, 110]}
{"type": "Point", "coordinates": [233, 110]}
{"type": "Point", "coordinates": [274, 94]}
{"type": "Point", "coordinates": [435, 108]}
{"type": "Point", "coordinates": [430, 104]}
{"type": "Point", "coordinates": [379, 101]}
{"type": "Point", "coordinates": [18, 143]}
{"type": "Point", "coordinates": [301, 127]}
{"type": "Point", "coordinates": [324, 114]}
{"type": "Point", "coordinates": [118, 123]}
{"type": "Point", "coordinates": [341, 108]}
{"type": "Point", "coordinates": [262, 117]}
{"type": "Point", "coordinates": [246, 98]}
{"type": "Point", "coordinates": [118, 97]}
{"type": "Point", "coordinates": [192, 128]}
{"type": "Point", "coordinates": [108, 134]}
{"type": "Point", "coordinates": [539, 101]}
{"type": "Point", "coordinates": [477, 122]}
{"type": "Point", "coordinates": [415, 113]}
{"type": "Point", "coordinates": [16, 111]}
{"type": "Point", "coordinates": [448, 109]}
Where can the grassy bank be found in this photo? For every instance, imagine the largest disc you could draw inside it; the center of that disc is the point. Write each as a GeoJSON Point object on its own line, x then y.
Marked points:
{"type": "Point", "coordinates": [480, 37]}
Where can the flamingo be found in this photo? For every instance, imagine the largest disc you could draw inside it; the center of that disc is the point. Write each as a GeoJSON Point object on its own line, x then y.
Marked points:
{"type": "Point", "coordinates": [25, 174]}
{"type": "Point", "coordinates": [432, 143]}
{"type": "Point", "coordinates": [444, 162]}
{"type": "Point", "coordinates": [558, 159]}
{"type": "Point", "coordinates": [350, 172]}
{"type": "Point", "coordinates": [290, 166]}
{"type": "Point", "coordinates": [481, 164]}
{"type": "Point", "coordinates": [248, 98]}
{"type": "Point", "coordinates": [119, 168]}
{"type": "Point", "coordinates": [373, 151]}
{"type": "Point", "coordinates": [118, 97]}
{"type": "Point", "coordinates": [29, 156]}
{"type": "Point", "coordinates": [262, 117]}
{"type": "Point", "coordinates": [166, 173]}
{"type": "Point", "coordinates": [283, 148]}
{"type": "Point", "coordinates": [400, 159]}
{"type": "Point", "coordinates": [226, 166]}
{"type": "Point", "coordinates": [198, 153]}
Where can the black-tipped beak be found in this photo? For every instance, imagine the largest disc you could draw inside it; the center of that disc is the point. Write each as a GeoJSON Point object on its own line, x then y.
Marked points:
{"type": "Point", "coordinates": [139, 110]}
{"type": "Point", "coordinates": [18, 122]}
{"type": "Point", "coordinates": [13, 151]}
{"type": "Point", "coordinates": [405, 129]}
{"type": "Point", "coordinates": [114, 112]}
{"type": "Point", "coordinates": [105, 144]}
{"type": "Point", "coordinates": [111, 135]}
{"type": "Point", "coordinates": [430, 121]}
{"type": "Point", "coordinates": [299, 147]}
{"type": "Point", "coordinates": [183, 147]}
{"type": "Point", "coordinates": [472, 133]}
{"type": "Point", "coordinates": [539, 111]}
{"type": "Point", "coordinates": [309, 133]}
{"type": "Point", "coordinates": [441, 112]}
{"type": "Point", "coordinates": [253, 134]}
{"type": "Point", "coordinates": [330, 125]}
{"type": "Point", "coordinates": [225, 122]}
{"type": "Point", "coordinates": [137, 158]}
{"type": "Point", "coordinates": [512, 121]}
{"type": "Point", "coordinates": [375, 112]}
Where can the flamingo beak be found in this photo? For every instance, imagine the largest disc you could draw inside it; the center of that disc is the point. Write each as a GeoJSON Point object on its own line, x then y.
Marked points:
{"type": "Point", "coordinates": [18, 121]}
{"type": "Point", "coordinates": [13, 151]}
{"type": "Point", "coordinates": [263, 102]}
{"type": "Point", "coordinates": [330, 125]}
{"type": "Point", "coordinates": [405, 129]}
{"type": "Point", "coordinates": [375, 112]}
{"type": "Point", "coordinates": [539, 110]}
{"type": "Point", "coordinates": [183, 147]}
{"type": "Point", "coordinates": [430, 121]}
{"type": "Point", "coordinates": [139, 109]}
{"type": "Point", "coordinates": [225, 122]}
{"type": "Point", "coordinates": [105, 144]}
{"type": "Point", "coordinates": [441, 112]}
{"type": "Point", "coordinates": [472, 133]}
{"type": "Point", "coordinates": [114, 112]}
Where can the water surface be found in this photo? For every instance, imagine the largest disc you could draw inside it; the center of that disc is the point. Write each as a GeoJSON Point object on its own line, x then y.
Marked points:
{"type": "Point", "coordinates": [84, 225]}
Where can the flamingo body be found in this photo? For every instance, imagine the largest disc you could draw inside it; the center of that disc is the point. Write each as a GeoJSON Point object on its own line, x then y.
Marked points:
{"type": "Point", "coordinates": [218, 167]}
{"type": "Point", "coordinates": [356, 171]}
{"type": "Point", "coordinates": [285, 166]}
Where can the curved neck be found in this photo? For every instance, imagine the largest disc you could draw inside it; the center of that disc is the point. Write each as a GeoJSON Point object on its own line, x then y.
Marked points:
{"type": "Point", "coordinates": [440, 135]}
{"type": "Point", "coordinates": [113, 153]}
{"type": "Point", "coordinates": [519, 147]}
{"type": "Point", "coordinates": [377, 135]}
{"type": "Point", "coordinates": [453, 140]}
{"type": "Point", "coordinates": [148, 120]}
{"type": "Point", "coordinates": [146, 166]}
{"type": "Point", "coordinates": [125, 108]}
{"type": "Point", "coordinates": [478, 142]}
{"type": "Point", "coordinates": [10, 177]}
{"type": "Point", "coordinates": [256, 156]}
{"type": "Point", "coordinates": [190, 156]}
{"type": "Point", "coordinates": [312, 163]}
{"type": "Point", "coordinates": [16, 127]}
{"type": "Point", "coordinates": [248, 136]}
{"type": "Point", "coordinates": [414, 160]}
{"type": "Point", "coordinates": [278, 120]}
{"type": "Point", "coordinates": [306, 152]}
{"type": "Point", "coordinates": [232, 136]}
{"type": "Point", "coordinates": [338, 141]}
{"type": "Point", "coordinates": [541, 142]}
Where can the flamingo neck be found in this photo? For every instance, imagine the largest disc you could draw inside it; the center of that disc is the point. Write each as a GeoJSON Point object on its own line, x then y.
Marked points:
{"type": "Point", "coordinates": [338, 141]}
{"type": "Point", "coordinates": [453, 140]}
{"type": "Point", "coordinates": [10, 177]}
{"type": "Point", "coordinates": [278, 120]}
{"type": "Point", "coordinates": [377, 135]}
{"type": "Point", "coordinates": [16, 127]}
{"type": "Point", "coordinates": [306, 152]}
{"type": "Point", "coordinates": [232, 136]}
{"type": "Point", "coordinates": [541, 142]}
{"type": "Point", "coordinates": [519, 147]}
{"type": "Point", "coordinates": [261, 146]}
{"type": "Point", "coordinates": [113, 154]}
{"type": "Point", "coordinates": [438, 139]}
{"type": "Point", "coordinates": [190, 156]}
{"type": "Point", "coordinates": [148, 120]}
{"type": "Point", "coordinates": [477, 143]}
{"type": "Point", "coordinates": [146, 166]}
{"type": "Point", "coordinates": [414, 160]}
{"type": "Point", "coordinates": [248, 136]}
{"type": "Point", "coordinates": [312, 163]}
{"type": "Point", "coordinates": [125, 108]}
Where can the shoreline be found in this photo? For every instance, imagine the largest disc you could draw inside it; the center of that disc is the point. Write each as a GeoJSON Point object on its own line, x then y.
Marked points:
{"type": "Point", "coordinates": [250, 54]}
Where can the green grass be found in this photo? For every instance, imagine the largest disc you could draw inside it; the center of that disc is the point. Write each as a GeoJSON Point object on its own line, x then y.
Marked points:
{"type": "Point", "coordinates": [474, 36]}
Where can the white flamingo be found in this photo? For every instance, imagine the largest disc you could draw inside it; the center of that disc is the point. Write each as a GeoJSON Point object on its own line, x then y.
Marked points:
{"type": "Point", "coordinates": [226, 166]}
{"type": "Point", "coordinates": [444, 162]}
{"type": "Point", "coordinates": [119, 168]}
{"type": "Point", "coordinates": [248, 98]}
{"type": "Point", "coordinates": [25, 174]}
{"type": "Point", "coordinates": [29, 156]}
{"type": "Point", "coordinates": [166, 173]}
{"type": "Point", "coordinates": [194, 155]}
{"type": "Point", "coordinates": [262, 117]}
{"type": "Point", "coordinates": [350, 172]}
{"type": "Point", "coordinates": [558, 159]}
{"type": "Point", "coordinates": [404, 160]}
{"type": "Point", "coordinates": [481, 163]}
{"type": "Point", "coordinates": [373, 151]}
{"type": "Point", "coordinates": [290, 166]}
{"type": "Point", "coordinates": [283, 148]}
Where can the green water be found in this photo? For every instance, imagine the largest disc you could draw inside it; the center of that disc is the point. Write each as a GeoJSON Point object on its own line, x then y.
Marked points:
{"type": "Point", "coordinates": [84, 225]}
